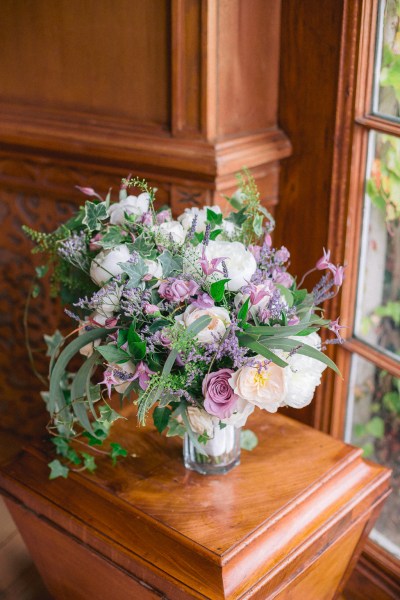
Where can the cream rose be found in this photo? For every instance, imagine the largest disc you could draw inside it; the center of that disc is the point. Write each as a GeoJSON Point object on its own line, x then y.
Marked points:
{"type": "Point", "coordinates": [173, 229]}
{"type": "Point", "coordinates": [105, 264]}
{"type": "Point", "coordinates": [214, 331]}
{"type": "Point", "coordinates": [200, 421]}
{"type": "Point", "coordinates": [132, 205]}
{"type": "Point", "coordinates": [262, 384]}
{"type": "Point", "coordinates": [240, 263]}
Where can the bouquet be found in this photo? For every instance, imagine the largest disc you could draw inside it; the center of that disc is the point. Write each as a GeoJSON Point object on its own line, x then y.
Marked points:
{"type": "Point", "coordinates": [197, 320]}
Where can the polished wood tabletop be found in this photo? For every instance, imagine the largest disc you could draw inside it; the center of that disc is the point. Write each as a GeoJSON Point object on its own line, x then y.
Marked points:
{"type": "Point", "coordinates": [290, 516]}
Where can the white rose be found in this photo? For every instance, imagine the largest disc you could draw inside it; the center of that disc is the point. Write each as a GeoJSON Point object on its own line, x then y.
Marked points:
{"type": "Point", "coordinates": [154, 268]}
{"type": "Point", "coordinates": [105, 264]}
{"type": "Point", "coordinates": [243, 410]}
{"type": "Point", "coordinates": [132, 205]}
{"type": "Point", "coordinates": [129, 368]}
{"type": "Point", "coordinates": [240, 263]}
{"type": "Point", "coordinates": [186, 218]}
{"type": "Point", "coordinates": [200, 421]}
{"type": "Point", "coordinates": [173, 229]}
{"type": "Point", "coordinates": [100, 320]}
{"type": "Point", "coordinates": [303, 374]}
{"type": "Point", "coordinates": [215, 329]}
{"type": "Point", "coordinates": [263, 384]}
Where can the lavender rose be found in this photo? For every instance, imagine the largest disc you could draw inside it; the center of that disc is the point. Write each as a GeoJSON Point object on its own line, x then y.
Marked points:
{"type": "Point", "coordinates": [220, 399]}
{"type": "Point", "coordinates": [177, 290]}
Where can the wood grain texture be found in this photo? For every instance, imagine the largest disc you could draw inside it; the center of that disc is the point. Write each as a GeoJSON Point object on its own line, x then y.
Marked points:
{"type": "Point", "coordinates": [250, 534]}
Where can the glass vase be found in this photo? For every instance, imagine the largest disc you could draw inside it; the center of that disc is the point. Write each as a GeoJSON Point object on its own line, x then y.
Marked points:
{"type": "Point", "coordinates": [223, 452]}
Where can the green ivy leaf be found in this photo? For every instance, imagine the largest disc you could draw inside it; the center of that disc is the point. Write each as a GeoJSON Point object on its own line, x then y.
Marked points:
{"type": "Point", "coordinates": [108, 416]}
{"type": "Point", "coordinates": [112, 354]}
{"type": "Point", "coordinates": [112, 237]}
{"type": "Point", "coordinates": [161, 417]}
{"type": "Point", "coordinates": [214, 218]}
{"type": "Point", "coordinates": [89, 462]}
{"type": "Point", "coordinates": [215, 233]}
{"type": "Point", "coordinates": [57, 469]}
{"type": "Point", "coordinates": [175, 428]}
{"type": "Point", "coordinates": [217, 289]}
{"type": "Point", "coordinates": [142, 245]}
{"type": "Point", "coordinates": [237, 218]}
{"type": "Point", "coordinates": [248, 439]}
{"type": "Point", "coordinates": [94, 214]}
{"type": "Point", "coordinates": [117, 450]}
{"type": "Point", "coordinates": [170, 263]}
{"type": "Point", "coordinates": [135, 271]}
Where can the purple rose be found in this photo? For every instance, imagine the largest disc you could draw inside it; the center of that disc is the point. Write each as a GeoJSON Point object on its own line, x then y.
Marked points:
{"type": "Point", "coordinates": [203, 301]}
{"type": "Point", "coordinates": [177, 290]}
{"type": "Point", "coordinates": [282, 277]}
{"type": "Point", "coordinates": [164, 216]}
{"type": "Point", "coordinates": [219, 398]}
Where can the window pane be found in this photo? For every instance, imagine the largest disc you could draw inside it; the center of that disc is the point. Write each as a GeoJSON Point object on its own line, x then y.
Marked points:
{"type": "Point", "coordinates": [386, 97]}
{"type": "Point", "coordinates": [373, 423]}
{"type": "Point", "coordinates": [378, 300]}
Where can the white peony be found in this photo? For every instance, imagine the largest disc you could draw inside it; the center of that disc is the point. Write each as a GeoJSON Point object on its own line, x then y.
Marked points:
{"type": "Point", "coordinates": [154, 268]}
{"type": "Point", "coordinates": [105, 264]}
{"type": "Point", "coordinates": [220, 320]}
{"type": "Point", "coordinates": [261, 383]}
{"type": "Point", "coordinates": [229, 228]}
{"type": "Point", "coordinates": [200, 421]}
{"type": "Point", "coordinates": [173, 229]}
{"type": "Point", "coordinates": [132, 205]}
{"type": "Point", "coordinates": [303, 374]}
{"type": "Point", "coordinates": [100, 320]}
{"type": "Point", "coordinates": [240, 263]}
{"type": "Point", "coordinates": [186, 218]}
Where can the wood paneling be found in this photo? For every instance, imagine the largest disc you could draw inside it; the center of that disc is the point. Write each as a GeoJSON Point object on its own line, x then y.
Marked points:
{"type": "Point", "coordinates": [252, 533]}
{"type": "Point", "coordinates": [91, 91]}
{"type": "Point", "coordinates": [247, 70]}
{"type": "Point", "coordinates": [97, 58]}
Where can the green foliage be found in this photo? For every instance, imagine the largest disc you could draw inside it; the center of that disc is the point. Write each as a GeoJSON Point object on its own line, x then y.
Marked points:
{"type": "Point", "coordinates": [137, 347]}
{"type": "Point", "coordinates": [135, 271]}
{"type": "Point", "coordinates": [248, 439]}
{"type": "Point", "coordinates": [89, 462]}
{"type": "Point", "coordinates": [214, 218]}
{"type": "Point", "coordinates": [113, 237]}
{"type": "Point", "coordinates": [170, 263]}
{"type": "Point", "coordinates": [116, 451]}
{"type": "Point", "coordinates": [95, 212]}
{"type": "Point", "coordinates": [217, 289]}
{"type": "Point", "coordinates": [57, 469]}
{"type": "Point", "coordinates": [112, 354]}
{"type": "Point", "coordinates": [175, 427]}
{"type": "Point", "coordinates": [161, 417]}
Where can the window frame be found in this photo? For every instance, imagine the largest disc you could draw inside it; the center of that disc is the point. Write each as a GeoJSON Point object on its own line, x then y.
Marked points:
{"type": "Point", "coordinates": [354, 121]}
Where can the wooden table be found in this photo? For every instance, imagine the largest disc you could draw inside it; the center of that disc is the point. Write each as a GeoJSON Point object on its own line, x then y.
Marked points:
{"type": "Point", "coordinates": [288, 523]}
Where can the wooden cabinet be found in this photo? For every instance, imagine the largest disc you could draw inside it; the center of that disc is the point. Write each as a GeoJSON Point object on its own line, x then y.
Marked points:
{"type": "Point", "coordinates": [289, 522]}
